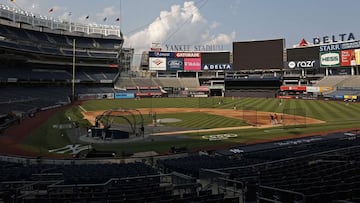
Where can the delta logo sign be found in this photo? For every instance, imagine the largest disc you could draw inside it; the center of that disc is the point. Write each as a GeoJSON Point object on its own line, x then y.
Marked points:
{"type": "Point", "coordinates": [225, 66]}
{"type": "Point", "coordinates": [343, 37]}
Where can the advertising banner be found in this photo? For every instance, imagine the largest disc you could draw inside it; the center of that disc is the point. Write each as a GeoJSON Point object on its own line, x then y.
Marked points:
{"type": "Point", "coordinates": [330, 59]}
{"type": "Point", "coordinates": [148, 94]}
{"type": "Point", "coordinates": [293, 88]}
{"type": "Point", "coordinates": [348, 58]}
{"type": "Point", "coordinates": [285, 97]}
{"type": "Point", "coordinates": [124, 95]}
{"type": "Point", "coordinates": [326, 89]}
{"type": "Point", "coordinates": [350, 45]}
{"type": "Point", "coordinates": [105, 96]}
{"type": "Point", "coordinates": [312, 89]}
{"type": "Point", "coordinates": [302, 64]}
{"type": "Point", "coordinates": [161, 54]}
{"type": "Point", "coordinates": [86, 96]}
{"type": "Point", "coordinates": [225, 66]}
{"type": "Point", "coordinates": [350, 97]}
{"type": "Point", "coordinates": [174, 64]}
{"type": "Point", "coordinates": [357, 56]}
{"type": "Point", "coordinates": [192, 64]}
{"type": "Point", "coordinates": [157, 63]}
{"type": "Point", "coordinates": [338, 97]}
{"type": "Point", "coordinates": [188, 54]}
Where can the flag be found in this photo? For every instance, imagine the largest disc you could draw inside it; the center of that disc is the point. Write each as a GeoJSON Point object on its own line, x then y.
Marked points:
{"type": "Point", "coordinates": [51, 10]}
{"type": "Point", "coordinates": [87, 17]}
{"type": "Point", "coordinates": [117, 19]}
{"type": "Point", "coordinates": [105, 19]}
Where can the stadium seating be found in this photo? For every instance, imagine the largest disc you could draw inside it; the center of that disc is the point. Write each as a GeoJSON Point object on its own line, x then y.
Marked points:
{"type": "Point", "coordinates": [332, 81]}
{"type": "Point", "coordinates": [302, 170]}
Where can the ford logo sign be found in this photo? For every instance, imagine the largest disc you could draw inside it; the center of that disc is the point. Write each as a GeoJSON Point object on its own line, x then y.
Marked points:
{"type": "Point", "coordinates": [175, 63]}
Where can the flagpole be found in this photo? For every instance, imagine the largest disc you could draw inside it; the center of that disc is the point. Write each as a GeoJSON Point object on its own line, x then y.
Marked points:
{"type": "Point", "coordinates": [73, 72]}
{"type": "Point", "coordinates": [120, 17]}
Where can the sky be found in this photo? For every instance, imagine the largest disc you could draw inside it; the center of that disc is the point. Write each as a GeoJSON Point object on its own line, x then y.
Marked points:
{"type": "Point", "coordinates": [200, 22]}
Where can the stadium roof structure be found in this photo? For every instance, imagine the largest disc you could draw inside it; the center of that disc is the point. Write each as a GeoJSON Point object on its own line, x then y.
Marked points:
{"type": "Point", "coordinates": [35, 20]}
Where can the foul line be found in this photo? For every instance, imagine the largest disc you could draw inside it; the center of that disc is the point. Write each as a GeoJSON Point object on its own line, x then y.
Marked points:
{"type": "Point", "coordinates": [215, 129]}
{"type": "Point", "coordinates": [82, 108]}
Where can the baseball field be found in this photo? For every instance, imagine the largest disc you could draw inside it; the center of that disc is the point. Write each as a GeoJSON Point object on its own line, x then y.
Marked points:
{"type": "Point", "coordinates": [194, 121]}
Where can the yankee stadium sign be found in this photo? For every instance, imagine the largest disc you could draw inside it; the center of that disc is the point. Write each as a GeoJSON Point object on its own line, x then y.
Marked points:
{"type": "Point", "coordinates": [185, 47]}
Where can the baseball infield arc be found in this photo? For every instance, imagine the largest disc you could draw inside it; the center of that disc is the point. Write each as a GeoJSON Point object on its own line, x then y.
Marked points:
{"type": "Point", "coordinates": [258, 119]}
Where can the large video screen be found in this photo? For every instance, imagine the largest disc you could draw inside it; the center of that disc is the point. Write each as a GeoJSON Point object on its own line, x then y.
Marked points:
{"type": "Point", "coordinates": [215, 57]}
{"type": "Point", "coordinates": [303, 54]}
{"type": "Point", "coordinates": [266, 54]}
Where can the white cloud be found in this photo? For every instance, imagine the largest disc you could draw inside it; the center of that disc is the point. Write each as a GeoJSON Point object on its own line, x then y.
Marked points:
{"type": "Point", "coordinates": [109, 13]}
{"type": "Point", "coordinates": [214, 25]}
{"type": "Point", "coordinates": [30, 5]}
{"type": "Point", "coordinates": [182, 25]}
{"type": "Point", "coordinates": [37, 8]}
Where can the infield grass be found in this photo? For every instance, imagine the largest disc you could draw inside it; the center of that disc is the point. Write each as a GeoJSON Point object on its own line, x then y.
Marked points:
{"type": "Point", "coordinates": [337, 115]}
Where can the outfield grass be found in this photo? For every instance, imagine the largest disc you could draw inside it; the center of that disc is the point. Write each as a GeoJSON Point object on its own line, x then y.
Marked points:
{"type": "Point", "coordinates": [337, 115]}
{"type": "Point", "coordinates": [188, 120]}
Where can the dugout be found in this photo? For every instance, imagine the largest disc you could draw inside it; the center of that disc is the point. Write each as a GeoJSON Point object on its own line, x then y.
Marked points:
{"type": "Point", "coordinates": [113, 133]}
{"type": "Point", "coordinates": [108, 133]}
{"type": "Point", "coordinates": [100, 154]}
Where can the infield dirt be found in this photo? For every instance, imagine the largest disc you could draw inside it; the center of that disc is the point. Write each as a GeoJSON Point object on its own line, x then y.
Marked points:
{"type": "Point", "coordinates": [258, 119]}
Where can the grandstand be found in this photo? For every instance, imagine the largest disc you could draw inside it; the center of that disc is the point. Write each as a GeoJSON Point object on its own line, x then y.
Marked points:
{"type": "Point", "coordinates": [40, 56]}
{"type": "Point", "coordinates": [312, 169]}
{"type": "Point", "coordinates": [37, 74]}
{"type": "Point", "coordinates": [169, 82]}
{"type": "Point", "coordinates": [345, 87]}
{"type": "Point", "coordinates": [332, 81]}
{"type": "Point", "coordinates": [352, 81]}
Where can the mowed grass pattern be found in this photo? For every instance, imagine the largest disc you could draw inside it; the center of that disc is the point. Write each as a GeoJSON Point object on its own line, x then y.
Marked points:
{"type": "Point", "coordinates": [201, 120]}
{"type": "Point", "coordinates": [194, 120]}
{"type": "Point", "coordinates": [329, 111]}
{"type": "Point", "coordinates": [336, 114]}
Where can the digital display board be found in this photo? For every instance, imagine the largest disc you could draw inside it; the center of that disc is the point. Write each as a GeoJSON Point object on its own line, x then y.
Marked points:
{"type": "Point", "coordinates": [266, 54]}
{"type": "Point", "coordinates": [303, 53]}
{"type": "Point", "coordinates": [215, 58]}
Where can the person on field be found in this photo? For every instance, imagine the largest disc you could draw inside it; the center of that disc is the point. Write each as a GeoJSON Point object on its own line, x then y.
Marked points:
{"type": "Point", "coordinates": [275, 119]}
{"type": "Point", "coordinates": [271, 119]}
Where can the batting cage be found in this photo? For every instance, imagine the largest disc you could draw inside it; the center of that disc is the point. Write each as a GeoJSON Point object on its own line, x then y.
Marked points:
{"type": "Point", "coordinates": [293, 118]}
{"type": "Point", "coordinates": [118, 124]}
{"type": "Point", "coordinates": [250, 115]}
